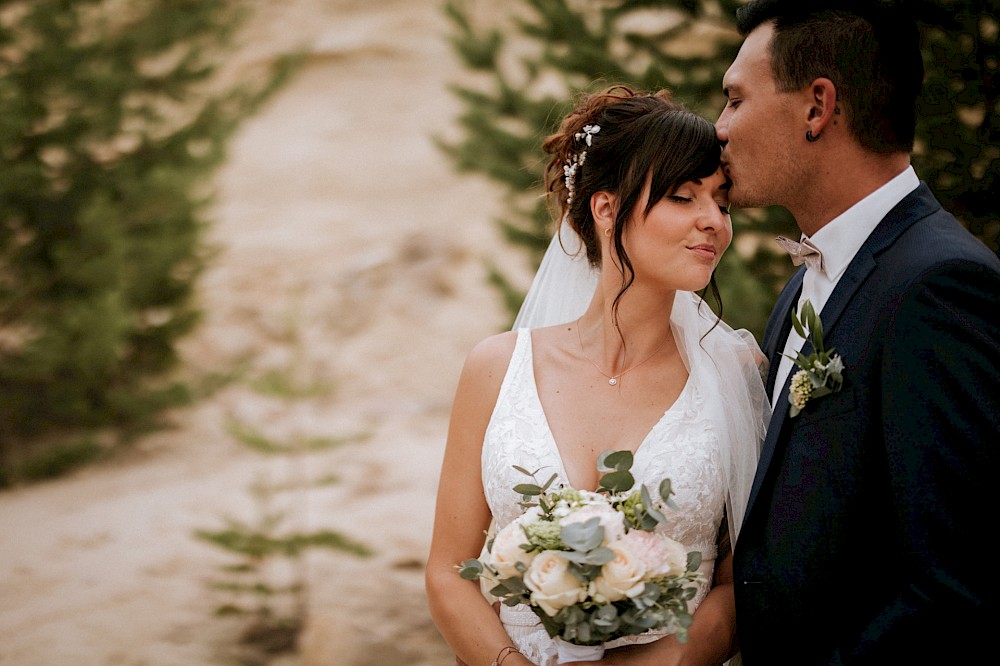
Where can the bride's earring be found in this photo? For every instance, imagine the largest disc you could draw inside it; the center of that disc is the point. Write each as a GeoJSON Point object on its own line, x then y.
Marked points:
{"type": "Point", "coordinates": [607, 232]}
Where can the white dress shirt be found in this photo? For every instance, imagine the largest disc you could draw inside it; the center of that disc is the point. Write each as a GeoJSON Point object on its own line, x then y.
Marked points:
{"type": "Point", "coordinates": [839, 240]}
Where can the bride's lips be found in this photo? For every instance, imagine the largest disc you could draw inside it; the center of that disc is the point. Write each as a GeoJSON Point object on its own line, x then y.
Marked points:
{"type": "Point", "coordinates": [704, 251]}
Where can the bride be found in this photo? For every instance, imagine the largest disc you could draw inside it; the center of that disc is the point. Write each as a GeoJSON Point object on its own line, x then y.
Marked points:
{"type": "Point", "coordinates": [612, 350]}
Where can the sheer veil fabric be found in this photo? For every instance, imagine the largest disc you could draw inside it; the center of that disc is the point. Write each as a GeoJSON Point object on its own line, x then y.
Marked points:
{"type": "Point", "coordinates": [727, 362]}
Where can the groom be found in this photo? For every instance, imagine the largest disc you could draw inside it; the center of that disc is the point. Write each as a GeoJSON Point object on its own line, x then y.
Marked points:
{"type": "Point", "coordinates": [864, 541]}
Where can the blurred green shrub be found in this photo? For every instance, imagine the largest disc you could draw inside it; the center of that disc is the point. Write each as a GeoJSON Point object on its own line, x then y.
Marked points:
{"type": "Point", "coordinates": [547, 50]}
{"type": "Point", "coordinates": [112, 119]}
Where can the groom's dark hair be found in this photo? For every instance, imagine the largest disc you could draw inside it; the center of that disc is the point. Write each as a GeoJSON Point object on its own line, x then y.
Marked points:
{"type": "Point", "coordinates": [870, 50]}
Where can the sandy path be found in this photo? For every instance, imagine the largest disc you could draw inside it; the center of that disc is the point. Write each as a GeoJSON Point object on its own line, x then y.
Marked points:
{"type": "Point", "coordinates": [350, 260]}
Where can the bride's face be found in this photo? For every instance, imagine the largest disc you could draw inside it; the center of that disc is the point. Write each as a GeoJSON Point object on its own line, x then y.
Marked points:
{"type": "Point", "coordinates": [680, 242]}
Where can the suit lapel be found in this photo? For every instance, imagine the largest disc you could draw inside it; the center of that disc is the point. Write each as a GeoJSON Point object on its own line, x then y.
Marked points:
{"type": "Point", "coordinates": [774, 342]}
{"type": "Point", "coordinates": [915, 206]}
{"type": "Point", "coordinates": [774, 345]}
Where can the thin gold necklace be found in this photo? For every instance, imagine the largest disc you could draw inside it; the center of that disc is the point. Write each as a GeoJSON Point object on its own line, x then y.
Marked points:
{"type": "Point", "coordinates": [613, 379]}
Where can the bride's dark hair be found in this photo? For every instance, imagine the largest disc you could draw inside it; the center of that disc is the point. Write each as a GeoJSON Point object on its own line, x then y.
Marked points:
{"type": "Point", "coordinates": [642, 134]}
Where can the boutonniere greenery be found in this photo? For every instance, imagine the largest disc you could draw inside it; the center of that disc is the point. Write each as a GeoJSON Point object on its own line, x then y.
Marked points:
{"type": "Point", "coordinates": [822, 371]}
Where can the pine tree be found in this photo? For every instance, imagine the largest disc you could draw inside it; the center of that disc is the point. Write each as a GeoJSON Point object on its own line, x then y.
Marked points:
{"type": "Point", "coordinates": [553, 49]}
{"type": "Point", "coordinates": [111, 126]}
{"type": "Point", "coordinates": [567, 47]}
{"type": "Point", "coordinates": [958, 120]}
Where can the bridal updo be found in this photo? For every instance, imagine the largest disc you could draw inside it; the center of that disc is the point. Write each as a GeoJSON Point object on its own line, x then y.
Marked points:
{"type": "Point", "coordinates": [641, 135]}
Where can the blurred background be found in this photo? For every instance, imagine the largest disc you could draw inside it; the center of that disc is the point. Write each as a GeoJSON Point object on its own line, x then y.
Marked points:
{"type": "Point", "coordinates": [245, 246]}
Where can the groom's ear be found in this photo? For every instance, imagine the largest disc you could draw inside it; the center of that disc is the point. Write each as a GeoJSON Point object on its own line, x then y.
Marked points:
{"type": "Point", "coordinates": [603, 206]}
{"type": "Point", "coordinates": [822, 108]}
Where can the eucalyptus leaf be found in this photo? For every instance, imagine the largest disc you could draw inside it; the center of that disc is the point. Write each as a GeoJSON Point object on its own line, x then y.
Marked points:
{"type": "Point", "coordinates": [647, 522]}
{"type": "Point", "coordinates": [524, 471]}
{"type": "Point", "coordinates": [471, 569]}
{"type": "Point", "coordinates": [645, 620]}
{"type": "Point", "coordinates": [574, 556]}
{"type": "Point", "coordinates": [527, 489]}
{"type": "Point", "coordinates": [606, 612]}
{"type": "Point", "coordinates": [571, 615]}
{"type": "Point", "coordinates": [602, 466]}
{"type": "Point", "coordinates": [515, 585]}
{"type": "Point", "coordinates": [620, 461]}
{"type": "Point", "coordinates": [603, 626]}
{"type": "Point", "coordinates": [585, 573]}
{"type": "Point", "coordinates": [651, 509]}
{"type": "Point", "coordinates": [666, 490]}
{"type": "Point", "coordinates": [648, 597]}
{"type": "Point", "coordinates": [618, 482]}
{"type": "Point", "coordinates": [600, 556]}
{"type": "Point", "coordinates": [694, 560]}
{"type": "Point", "coordinates": [549, 482]}
{"type": "Point", "coordinates": [584, 536]}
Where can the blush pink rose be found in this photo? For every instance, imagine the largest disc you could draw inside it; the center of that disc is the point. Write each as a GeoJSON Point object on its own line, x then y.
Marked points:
{"type": "Point", "coordinates": [659, 554]}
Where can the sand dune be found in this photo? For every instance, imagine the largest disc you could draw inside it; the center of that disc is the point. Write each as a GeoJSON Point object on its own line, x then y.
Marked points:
{"type": "Point", "coordinates": [350, 263]}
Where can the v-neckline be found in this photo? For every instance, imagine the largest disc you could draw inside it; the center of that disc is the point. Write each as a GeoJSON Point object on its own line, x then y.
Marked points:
{"type": "Point", "coordinates": [548, 428]}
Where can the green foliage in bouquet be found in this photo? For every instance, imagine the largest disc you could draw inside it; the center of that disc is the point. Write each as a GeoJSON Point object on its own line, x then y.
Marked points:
{"type": "Point", "coordinates": [529, 68]}
{"type": "Point", "coordinates": [595, 612]}
{"type": "Point", "coordinates": [113, 121]}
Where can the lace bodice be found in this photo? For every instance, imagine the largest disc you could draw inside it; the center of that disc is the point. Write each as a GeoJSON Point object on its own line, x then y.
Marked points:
{"type": "Point", "coordinates": [682, 446]}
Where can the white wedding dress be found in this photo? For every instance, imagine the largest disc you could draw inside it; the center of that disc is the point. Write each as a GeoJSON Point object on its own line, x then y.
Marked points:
{"type": "Point", "coordinates": [683, 446]}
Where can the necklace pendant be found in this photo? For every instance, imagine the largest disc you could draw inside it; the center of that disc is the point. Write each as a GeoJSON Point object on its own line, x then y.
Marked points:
{"type": "Point", "coordinates": [613, 381]}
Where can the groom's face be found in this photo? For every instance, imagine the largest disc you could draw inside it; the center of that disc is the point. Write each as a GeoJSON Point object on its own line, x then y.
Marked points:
{"type": "Point", "coordinates": [759, 128]}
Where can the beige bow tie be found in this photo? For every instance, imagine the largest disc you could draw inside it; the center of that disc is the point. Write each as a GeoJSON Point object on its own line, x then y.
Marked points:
{"type": "Point", "coordinates": [802, 253]}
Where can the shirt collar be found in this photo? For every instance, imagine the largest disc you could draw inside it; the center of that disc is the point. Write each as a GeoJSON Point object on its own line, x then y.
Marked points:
{"type": "Point", "coordinates": [841, 238]}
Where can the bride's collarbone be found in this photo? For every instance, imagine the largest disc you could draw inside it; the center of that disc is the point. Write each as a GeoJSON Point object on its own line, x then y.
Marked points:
{"type": "Point", "coordinates": [587, 416]}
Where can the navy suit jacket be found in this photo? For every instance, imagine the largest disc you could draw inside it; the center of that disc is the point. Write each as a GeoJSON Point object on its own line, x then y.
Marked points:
{"type": "Point", "coordinates": [864, 541]}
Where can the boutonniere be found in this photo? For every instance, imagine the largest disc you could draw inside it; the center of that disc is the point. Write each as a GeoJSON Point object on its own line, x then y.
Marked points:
{"type": "Point", "coordinates": [822, 371]}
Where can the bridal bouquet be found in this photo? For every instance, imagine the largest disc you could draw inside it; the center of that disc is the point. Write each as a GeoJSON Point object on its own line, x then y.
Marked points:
{"type": "Point", "coordinates": [589, 564]}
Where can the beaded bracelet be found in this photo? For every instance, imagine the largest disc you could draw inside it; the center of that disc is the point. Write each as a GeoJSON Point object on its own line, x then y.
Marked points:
{"type": "Point", "coordinates": [504, 653]}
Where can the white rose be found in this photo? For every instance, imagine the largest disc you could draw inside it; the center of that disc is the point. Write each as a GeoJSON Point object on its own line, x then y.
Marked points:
{"type": "Point", "coordinates": [552, 586]}
{"type": "Point", "coordinates": [661, 555]}
{"type": "Point", "coordinates": [612, 521]}
{"type": "Point", "coordinates": [590, 497]}
{"type": "Point", "coordinates": [621, 577]}
{"type": "Point", "coordinates": [507, 551]}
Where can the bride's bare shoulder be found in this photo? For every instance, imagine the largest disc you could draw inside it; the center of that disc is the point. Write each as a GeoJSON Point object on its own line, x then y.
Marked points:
{"type": "Point", "coordinates": [491, 354]}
